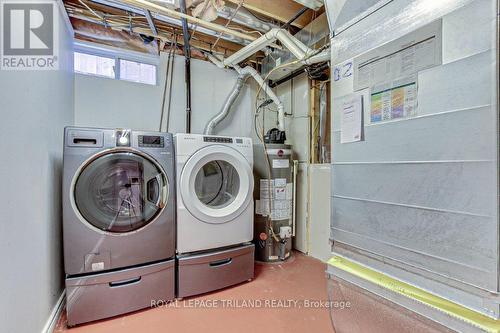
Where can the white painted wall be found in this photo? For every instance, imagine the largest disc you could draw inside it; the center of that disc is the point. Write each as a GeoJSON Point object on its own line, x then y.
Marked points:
{"type": "Point", "coordinates": [101, 102]}
{"type": "Point", "coordinates": [35, 106]}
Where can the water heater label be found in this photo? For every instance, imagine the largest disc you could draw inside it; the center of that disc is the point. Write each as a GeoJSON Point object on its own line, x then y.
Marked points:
{"type": "Point", "coordinates": [279, 192]}
{"type": "Point", "coordinates": [281, 164]}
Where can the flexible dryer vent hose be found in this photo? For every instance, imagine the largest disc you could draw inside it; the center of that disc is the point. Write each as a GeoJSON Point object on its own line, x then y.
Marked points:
{"type": "Point", "coordinates": [226, 108]}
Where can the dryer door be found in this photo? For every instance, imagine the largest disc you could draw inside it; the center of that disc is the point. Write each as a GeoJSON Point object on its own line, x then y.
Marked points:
{"type": "Point", "coordinates": [216, 184]}
{"type": "Point", "coordinates": [120, 191]}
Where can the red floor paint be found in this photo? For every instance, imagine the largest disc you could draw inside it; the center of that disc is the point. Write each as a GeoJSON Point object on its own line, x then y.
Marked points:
{"type": "Point", "coordinates": [280, 292]}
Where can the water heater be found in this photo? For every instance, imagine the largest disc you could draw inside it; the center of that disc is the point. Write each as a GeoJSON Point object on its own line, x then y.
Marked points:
{"type": "Point", "coordinates": [274, 194]}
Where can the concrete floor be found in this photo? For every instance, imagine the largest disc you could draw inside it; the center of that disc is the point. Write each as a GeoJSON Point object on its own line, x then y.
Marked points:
{"type": "Point", "coordinates": [276, 286]}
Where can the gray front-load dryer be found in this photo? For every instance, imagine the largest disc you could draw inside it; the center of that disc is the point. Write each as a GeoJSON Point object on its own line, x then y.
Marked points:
{"type": "Point", "coordinates": [118, 220]}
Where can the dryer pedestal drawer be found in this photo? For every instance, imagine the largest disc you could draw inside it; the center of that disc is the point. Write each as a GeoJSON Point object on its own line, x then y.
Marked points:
{"type": "Point", "coordinates": [104, 295]}
{"type": "Point", "coordinates": [201, 273]}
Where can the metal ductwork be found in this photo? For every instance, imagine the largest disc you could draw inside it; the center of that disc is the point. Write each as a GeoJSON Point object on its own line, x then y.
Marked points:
{"type": "Point", "coordinates": [226, 108]}
{"type": "Point", "coordinates": [244, 17]}
{"type": "Point", "coordinates": [313, 4]}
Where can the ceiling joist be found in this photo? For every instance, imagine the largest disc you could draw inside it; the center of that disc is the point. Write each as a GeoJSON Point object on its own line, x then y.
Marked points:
{"type": "Point", "coordinates": [134, 17]}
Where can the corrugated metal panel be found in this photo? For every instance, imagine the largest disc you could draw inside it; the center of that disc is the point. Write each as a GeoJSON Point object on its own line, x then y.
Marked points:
{"type": "Point", "coordinates": [421, 193]}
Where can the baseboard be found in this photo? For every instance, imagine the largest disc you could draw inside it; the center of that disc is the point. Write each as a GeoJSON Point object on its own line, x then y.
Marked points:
{"type": "Point", "coordinates": [55, 314]}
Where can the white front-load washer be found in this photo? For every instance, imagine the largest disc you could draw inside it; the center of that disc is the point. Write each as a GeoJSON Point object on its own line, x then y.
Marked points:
{"type": "Point", "coordinates": [214, 212]}
{"type": "Point", "coordinates": [214, 191]}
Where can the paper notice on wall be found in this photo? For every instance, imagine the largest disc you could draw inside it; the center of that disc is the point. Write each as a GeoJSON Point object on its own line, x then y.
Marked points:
{"type": "Point", "coordinates": [394, 103]}
{"type": "Point", "coordinates": [401, 58]}
{"type": "Point", "coordinates": [351, 122]}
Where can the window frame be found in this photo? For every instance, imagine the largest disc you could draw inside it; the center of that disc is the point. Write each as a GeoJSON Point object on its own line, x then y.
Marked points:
{"type": "Point", "coordinates": [118, 54]}
{"type": "Point", "coordinates": [95, 74]}
{"type": "Point", "coordinates": [118, 70]}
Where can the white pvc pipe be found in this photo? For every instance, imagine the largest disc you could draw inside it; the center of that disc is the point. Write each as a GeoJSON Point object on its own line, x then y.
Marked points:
{"type": "Point", "coordinates": [295, 46]}
{"type": "Point", "coordinates": [281, 109]}
{"type": "Point", "coordinates": [320, 57]}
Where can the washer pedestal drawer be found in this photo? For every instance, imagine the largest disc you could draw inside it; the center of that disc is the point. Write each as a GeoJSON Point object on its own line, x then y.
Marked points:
{"type": "Point", "coordinates": [201, 273]}
{"type": "Point", "coordinates": [103, 295]}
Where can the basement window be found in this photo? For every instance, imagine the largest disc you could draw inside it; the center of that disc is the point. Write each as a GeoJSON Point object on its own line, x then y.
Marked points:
{"type": "Point", "coordinates": [115, 65]}
{"type": "Point", "coordinates": [137, 72]}
{"type": "Point", "coordinates": [94, 65]}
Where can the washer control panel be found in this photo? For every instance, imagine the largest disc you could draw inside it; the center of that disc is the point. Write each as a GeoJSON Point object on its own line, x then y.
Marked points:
{"type": "Point", "coordinates": [152, 141]}
{"type": "Point", "coordinates": [217, 139]}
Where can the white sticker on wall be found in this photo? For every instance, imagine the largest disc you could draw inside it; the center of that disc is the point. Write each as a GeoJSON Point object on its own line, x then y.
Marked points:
{"type": "Point", "coordinates": [281, 164]}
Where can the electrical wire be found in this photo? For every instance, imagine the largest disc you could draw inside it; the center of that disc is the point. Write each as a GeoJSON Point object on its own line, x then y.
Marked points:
{"type": "Point", "coordinates": [176, 47]}
{"type": "Point", "coordinates": [229, 21]}
{"type": "Point", "coordinates": [259, 18]}
{"type": "Point", "coordinates": [169, 76]}
{"type": "Point", "coordinates": [205, 7]}
{"type": "Point", "coordinates": [245, 31]}
{"type": "Point", "coordinates": [91, 10]}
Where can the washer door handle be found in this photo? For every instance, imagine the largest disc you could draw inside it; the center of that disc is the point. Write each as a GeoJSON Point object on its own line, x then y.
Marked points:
{"type": "Point", "coordinates": [160, 191]}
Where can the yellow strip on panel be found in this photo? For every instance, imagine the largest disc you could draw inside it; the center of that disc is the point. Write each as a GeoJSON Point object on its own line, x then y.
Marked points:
{"type": "Point", "coordinates": [453, 309]}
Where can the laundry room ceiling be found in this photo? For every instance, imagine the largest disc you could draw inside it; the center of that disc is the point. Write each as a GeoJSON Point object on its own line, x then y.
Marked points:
{"type": "Point", "coordinates": [216, 26]}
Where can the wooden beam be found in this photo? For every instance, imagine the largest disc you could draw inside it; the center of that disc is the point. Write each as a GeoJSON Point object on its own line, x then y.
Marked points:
{"type": "Point", "coordinates": [281, 10]}
{"type": "Point", "coordinates": [200, 40]}
{"type": "Point", "coordinates": [144, 4]}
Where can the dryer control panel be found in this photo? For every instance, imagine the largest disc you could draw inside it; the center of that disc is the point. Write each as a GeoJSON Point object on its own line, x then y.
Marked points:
{"type": "Point", "coordinates": [217, 139]}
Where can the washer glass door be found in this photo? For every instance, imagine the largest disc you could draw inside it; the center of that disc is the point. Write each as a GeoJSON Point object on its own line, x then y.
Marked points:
{"type": "Point", "coordinates": [120, 192]}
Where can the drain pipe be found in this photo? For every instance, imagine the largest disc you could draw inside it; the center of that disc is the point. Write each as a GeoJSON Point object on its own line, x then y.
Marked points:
{"type": "Point", "coordinates": [296, 47]}
{"type": "Point", "coordinates": [224, 112]}
{"type": "Point", "coordinates": [301, 51]}
{"type": "Point", "coordinates": [279, 104]}
{"type": "Point", "coordinates": [187, 58]}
